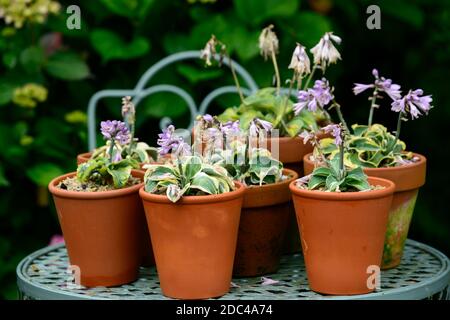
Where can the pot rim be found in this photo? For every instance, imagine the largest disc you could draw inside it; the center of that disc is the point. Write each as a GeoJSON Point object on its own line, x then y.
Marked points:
{"type": "Point", "coordinates": [286, 171]}
{"type": "Point", "coordinates": [346, 196]}
{"type": "Point", "coordinates": [422, 161]}
{"type": "Point", "coordinates": [93, 195]}
{"type": "Point", "coordinates": [186, 200]}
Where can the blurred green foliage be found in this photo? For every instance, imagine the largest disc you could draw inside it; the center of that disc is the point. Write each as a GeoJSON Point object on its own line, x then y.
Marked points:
{"type": "Point", "coordinates": [120, 39]}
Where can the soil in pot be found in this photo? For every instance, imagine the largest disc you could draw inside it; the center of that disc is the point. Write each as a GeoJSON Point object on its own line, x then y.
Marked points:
{"type": "Point", "coordinates": [102, 231]}
{"type": "Point", "coordinates": [342, 236]}
{"type": "Point", "coordinates": [194, 242]}
{"type": "Point", "coordinates": [408, 179]}
{"type": "Point", "coordinates": [264, 218]}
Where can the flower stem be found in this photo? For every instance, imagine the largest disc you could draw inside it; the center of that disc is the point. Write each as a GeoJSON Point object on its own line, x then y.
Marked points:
{"type": "Point", "coordinates": [399, 124]}
{"type": "Point", "coordinates": [341, 160]}
{"type": "Point", "coordinates": [111, 150]}
{"type": "Point", "coordinates": [308, 80]}
{"type": "Point", "coordinates": [339, 113]}
{"type": "Point", "coordinates": [236, 80]}
{"type": "Point", "coordinates": [372, 106]}
{"type": "Point", "coordinates": [283, 111]}
{"type": "Point", "coordinates": [277, 73]}
{"type": "Point", "coordinates": [131, 146]}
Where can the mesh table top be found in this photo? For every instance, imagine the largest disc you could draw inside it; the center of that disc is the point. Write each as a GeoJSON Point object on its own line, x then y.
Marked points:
{"type": "Point", "coordinates": [424, 273]}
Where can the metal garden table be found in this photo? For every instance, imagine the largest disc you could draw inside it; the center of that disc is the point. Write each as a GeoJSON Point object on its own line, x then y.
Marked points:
{"type": "Point", "coordinates": [423, 274]}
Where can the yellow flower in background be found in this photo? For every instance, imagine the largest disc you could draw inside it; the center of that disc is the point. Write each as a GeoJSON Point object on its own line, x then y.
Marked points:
{"type": "Point", "coordinates": [18, 12]}
{"type": "Point", "coordinates": [76, 116]}
{"type": "Point", "coordinates": [26, 140]}
{"type": "Point", "coordinates": [29, 95]}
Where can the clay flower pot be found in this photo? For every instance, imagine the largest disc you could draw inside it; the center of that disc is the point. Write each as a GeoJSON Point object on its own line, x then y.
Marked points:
{"type": "Point", "coordinates": [264, 218]}
{"type": "Point", "coordinates": [194, 241]}
{"type": "Point", "coordinates": [342, 235]}
{"type": "Point", "coordinates": [408, 179]}
{"type": "Point", "coordinates": [83, 157]}
{"type": "Point", "coordinates": [102, 231]}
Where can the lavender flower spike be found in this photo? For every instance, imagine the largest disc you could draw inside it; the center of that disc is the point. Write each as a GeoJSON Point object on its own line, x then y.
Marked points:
{"type": "Point", "coordinates": [115, 130]}
{"type": "Point", "coordinates": [314, 98]}
{"type": "Point", "coordinates": [168, 141]}
{"type": "Point", "coordinates": [336, 132]}
{"type": "Point", "coordinates": [230, 128]}
{"type": "Point", "coordinates": [413, 103]}
{"type": "Point", "coordinates": [258, 126]}
{"type": "Point", "coordinates": [381, 84]}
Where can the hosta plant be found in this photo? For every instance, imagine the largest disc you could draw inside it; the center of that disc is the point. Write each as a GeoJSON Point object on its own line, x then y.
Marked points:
{"type": "Point", "coordinates": [135, 149]}
{"type": "Point", "coordinates": [274, 104]}
{"type": "Point", "coordinates": [372, 145]}
{"type": "Point", "coordinates": [236, 149]}
{"type": "Point", "coordinates": [187, 173]}
{"type": "Point", "coordinates": [109, 169]}
{"type": "Point", "coordinates": [334, 176]}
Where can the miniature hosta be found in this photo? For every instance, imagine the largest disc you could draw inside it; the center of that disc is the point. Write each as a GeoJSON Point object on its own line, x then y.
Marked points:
{"type": "Point", "coordinates": [333, 176]}
{"type": "Point", "coordinates": [109, 169]}
{"type": "Point", "coordinates": [133, 148]}
{"type": "Point", "coordinates": [188, 175]}
{"type": "Point", "coordinates": [369, 147]}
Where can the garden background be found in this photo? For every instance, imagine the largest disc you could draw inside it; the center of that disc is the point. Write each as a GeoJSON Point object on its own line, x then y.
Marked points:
{"type": "Point", "coordinates": [43, 127]}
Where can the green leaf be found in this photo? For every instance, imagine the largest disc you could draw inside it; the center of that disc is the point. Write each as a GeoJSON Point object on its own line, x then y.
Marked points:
{"type": "Point", "coordinates": [308, 27]}
{"type": "Point", "coordinates": [174, 193]}
{"type": "Point", "coordinates": [110, 46]}
{"type": "Point", "coordinates": [316, 182]}
{"type": "Point", "coordinates": [332, 183]}
{"type": "Point", "coordinates": [67, 66]}
{"type": "Point", "coordinates": [205, 183]}
{"type": "Point", "coordinates": [42, 173]}
{"type": "Point", "coordinates": [9, 59]}
{"type": "Point", "coordinates": [256, 11]}
{"type": "Point", "coordinates": [195, 75]}
{"type": "Point", "coordinates": [129, 8]}
{"type": "Point", "coordinates": [32, 59]}
{"type": "Point", "coordinates": [191, 166]}
{"type": "Point", "coordinates": [3, 181]}
{"type": "Point", "coordinates": [120, 172]}
{"type": "Point", "coordinates": [6, 92]}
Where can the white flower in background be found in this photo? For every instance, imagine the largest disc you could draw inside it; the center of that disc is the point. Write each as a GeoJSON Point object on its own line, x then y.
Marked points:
{"type": "Point", "coordinates": [209, 51]}
{"type": "Point", "coordinates": [268, 42]}
{"type": "Point", "coordinates": [300, 61]}
{"type": "Point", "coordinates": [325, 52]}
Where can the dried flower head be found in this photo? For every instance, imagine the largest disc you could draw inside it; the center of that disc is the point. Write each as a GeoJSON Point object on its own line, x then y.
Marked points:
{"type": "Point", "coordinates": [268, 42]}
{"type": "Point", "coordinates": [325, 52]}
{"type": "Point", "coordinates": [209, 51]}
{"type": "Point", "coordinates": [128, 110]}
{"type": "Point", "coordinates": [19, 12]}
{"type": "Point", "coordinates": [413, 103]}
{"type": "Point", "coordinates": [300, 61]}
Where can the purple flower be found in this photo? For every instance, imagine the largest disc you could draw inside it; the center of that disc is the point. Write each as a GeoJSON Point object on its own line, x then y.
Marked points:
{"type": "Point", "coordinates": [336, 132]}
{"type": "Point", "coordinates": [183, 149]}
{"type": "Point", "coordinates": [314, 98]}
{"type": "Point", "coordinates": [115, 130]}
{"type": "Point", "coordinates": [258, 126]}
{"type": "Point", "coordinates": [382, 84]}
{"type": "Point", "coordinates": [207, 118]}
{"type": "Point", "coordinates": [230, 128]}
{"type": "Point", "coordinates": [168, 141]}
{"type": "Point", "coordinates": [306, 136]}
{"type": "Point", "coordinates": [117, 157]}
{"type": "Point", "coordinates": [413, 103]}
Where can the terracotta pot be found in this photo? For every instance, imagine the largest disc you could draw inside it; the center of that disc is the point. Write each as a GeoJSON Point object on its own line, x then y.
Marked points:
{"type": "Point", "coordinates": [83, 157]}
{"type": "Point", "coordinates": [408, 179]}
{"type": "Point", "coordinates": [102, 231]}
{"type": "Point", "coordinates": [342, 235]}
{"type": "Point", "coordinates": [264, 218]}
{"type": "Point", "coordinates": [194, 241]}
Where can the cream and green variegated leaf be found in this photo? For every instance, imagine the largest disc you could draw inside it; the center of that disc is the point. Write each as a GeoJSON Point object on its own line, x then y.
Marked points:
{"type": "Point", "coordinates": [369, 147]}
{"type": "Point", "coordinates": [188, 175]}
